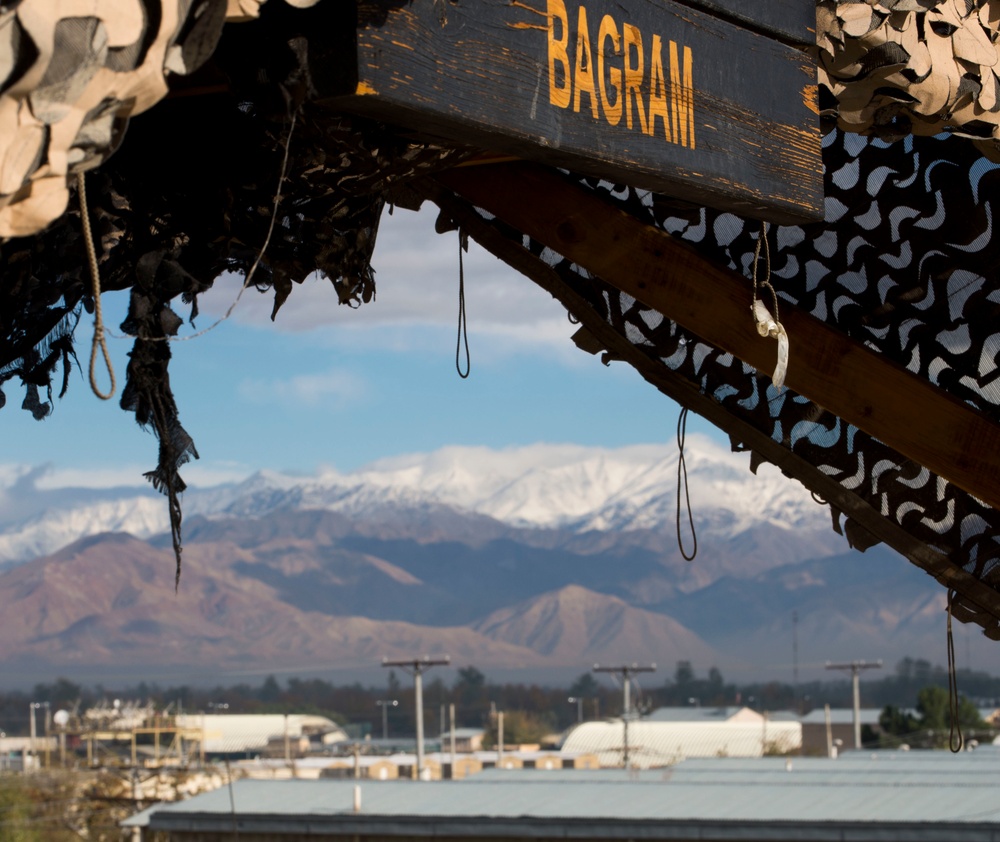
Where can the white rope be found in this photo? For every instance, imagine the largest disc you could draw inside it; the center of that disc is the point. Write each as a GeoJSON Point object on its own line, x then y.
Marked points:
{"type": "Point", "coordinates": [768, 325]}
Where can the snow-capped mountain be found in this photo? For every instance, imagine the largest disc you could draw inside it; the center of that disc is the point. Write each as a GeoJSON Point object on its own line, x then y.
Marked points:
{"type": "Point", "coordinates": [534, 558]}
{"type": "Point", "coordinates": [567, 487]}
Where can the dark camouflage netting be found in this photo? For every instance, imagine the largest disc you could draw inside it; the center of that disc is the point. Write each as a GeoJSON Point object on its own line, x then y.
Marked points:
{"type": "Point", "coordinates": [190, 196]}
{"type": "Point", "coordinates": [905, 263]}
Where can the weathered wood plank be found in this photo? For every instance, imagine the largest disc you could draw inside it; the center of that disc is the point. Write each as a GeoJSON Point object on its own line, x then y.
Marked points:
{"type": "Point", "coordinates": [792, 21]}
{"type": "Point", "coordinates": [909, 414]}
{"type": "Point", "coordinates": [645, 92]}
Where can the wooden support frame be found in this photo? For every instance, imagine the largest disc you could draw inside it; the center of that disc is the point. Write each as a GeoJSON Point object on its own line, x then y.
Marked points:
{"type": "Point", "coordinates": [653, 93]}
{"type": "Point", "coordinates": [979, 602]}
{"type": "Point", "coordinates": [906, 412]}
{"type": "Point", "coordinates": [790, 21]}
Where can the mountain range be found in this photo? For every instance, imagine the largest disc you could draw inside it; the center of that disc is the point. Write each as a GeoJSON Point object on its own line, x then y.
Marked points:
{"type": "Point", "coordinates": [533, 562]}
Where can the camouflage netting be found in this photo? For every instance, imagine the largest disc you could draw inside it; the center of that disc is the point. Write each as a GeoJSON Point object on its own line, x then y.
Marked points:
{"type": "Point", "coordinates": [190, 195]}
{"type": "Point", "coordinates": [904, 261]}
{"type": "Point", "coordinates": [900, 67]}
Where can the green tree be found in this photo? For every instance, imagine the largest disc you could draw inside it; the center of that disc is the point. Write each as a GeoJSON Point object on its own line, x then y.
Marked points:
{"type": "Point", "coordinates": [897, 727]}
{"type": "Point", "coordinates": [585, 686]}
{"type": "Point", "coordinates": [932, 705]}
{"type": "Point", "coordinates": [60, 694]}
{"type": "Point", "coordinates": [469, 687]}
{"type": "Point", "coordinates": [519, 727]}
{"type": "Point", "coordinates": [270, 690]}
{"type": "Point", "coordinates": [934, 725]}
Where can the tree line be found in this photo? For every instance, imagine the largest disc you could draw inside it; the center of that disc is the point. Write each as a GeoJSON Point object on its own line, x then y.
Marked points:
{"type": "Point", "coordinates": [530, 709]}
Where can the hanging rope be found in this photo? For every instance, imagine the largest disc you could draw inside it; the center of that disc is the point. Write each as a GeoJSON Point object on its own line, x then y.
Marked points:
{"type": "Point", "coordinates": [99, 340]}
{"type": "Point", "coordinates": [955, 738]}
{"type": "Point", "coordinates": [463, 324]}
{"type": "Point", "coordinates": [682, 479]}
{"type": "Point", "coordinates": [768, 325]}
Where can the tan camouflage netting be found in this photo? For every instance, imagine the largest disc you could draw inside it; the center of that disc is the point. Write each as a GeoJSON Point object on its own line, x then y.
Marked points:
{"type": "Point", "coordinates": [898, 67]}
{"type": "Point", "coordinates": [74, 71]}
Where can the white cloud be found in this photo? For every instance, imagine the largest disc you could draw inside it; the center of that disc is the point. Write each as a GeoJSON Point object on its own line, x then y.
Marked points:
{"type": "Point", "coordinates": [334, 388]}
{"type": "Point", "coordinates": [417, 277]}
{"type": "Point", "coordinates": [117, 477]}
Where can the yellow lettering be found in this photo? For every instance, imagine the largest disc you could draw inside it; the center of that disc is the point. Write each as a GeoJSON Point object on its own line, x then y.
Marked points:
{"type": "Point", "coordinates": [559, 94]}
{"type": "Point", "coordinates": [611, 73]}
{"type": "Point", "coordinates": [633, 76]}
{"type": "Point", "coordinates": [682, 96]}
{"type": "Point", "coordinates": [612, 110]}
{"type": "Point", "coordinates": [658, 91]}
{"type": "Point", "coordinates": [583, 79]}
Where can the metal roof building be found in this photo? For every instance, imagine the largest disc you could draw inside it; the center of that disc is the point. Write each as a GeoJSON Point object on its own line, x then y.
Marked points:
{"type": "Point", "coordinates": [689, 713]}
{"type": "Point", "coordinates": [900, 796]}
{"type": "Point", "coordinates": [842, 716]}
{"type": "Point", "coordinates": [250, 733]}
{"type": "Point", "coordinates": [669, 735]}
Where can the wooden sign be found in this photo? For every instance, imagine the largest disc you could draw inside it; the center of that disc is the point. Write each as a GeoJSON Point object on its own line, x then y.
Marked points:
{"type": "Point", "coordinates": [653, 94]}
{"type": "Point", "coordinates": [791, 21]}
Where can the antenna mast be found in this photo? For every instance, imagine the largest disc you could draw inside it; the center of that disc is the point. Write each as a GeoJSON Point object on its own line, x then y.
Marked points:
{"type": "Point", "coordinates": [416, 667]}
{"type": "Point", "coordinates": [855, 668]}
{"type": "Point", "coordinates": [625, 672]}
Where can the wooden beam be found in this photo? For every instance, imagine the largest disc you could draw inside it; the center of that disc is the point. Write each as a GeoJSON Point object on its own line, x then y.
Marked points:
{"type": "Point", "coordinates": [792, 21]}
{"type": "Point", "coordinates": [651, 93]}
{"type": "Point", "coordinates": [906, 412]}
{"type": "Point", "coordinates": [974, 592]}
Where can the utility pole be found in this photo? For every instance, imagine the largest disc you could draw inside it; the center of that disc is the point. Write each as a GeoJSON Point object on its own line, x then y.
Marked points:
{"type": "Point", "coordinates": [31, 708]}
{"type": "Point", "coordinates": [500, 740]}
{"type": "Point", "coordinates": [855, 668]}
{"type": "Point", "coordinates": [416, 667]}
{"type": "Point", "coordinates": [625, 672]}
{"type": "Point", "coordinates": [385, 704]}
{"type": "Point", "coordinates": [795, 659]}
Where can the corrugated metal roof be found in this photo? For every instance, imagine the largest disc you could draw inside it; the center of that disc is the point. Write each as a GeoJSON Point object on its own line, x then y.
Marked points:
{"type": "Point", "coordinates": [939, 790]}
{"type": "Point", "coordinates": [842, 716]}
{"type": "Point", "coordinates": [700, 714]}
{"type": "Point", "coordinates": [463, 734]}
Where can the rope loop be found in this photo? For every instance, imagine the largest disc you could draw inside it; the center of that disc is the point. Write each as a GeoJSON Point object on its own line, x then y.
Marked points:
{"type": "Point", "coordinates": [463, 324]}
{"type": "Point", "coordinates": [955, 738]}
{"type": "Point", "coordinates": [682, 480]}
{"type": "Point", "coordinates": [99, 340]}
{"type": "Point", "coordinates": [768, 325]}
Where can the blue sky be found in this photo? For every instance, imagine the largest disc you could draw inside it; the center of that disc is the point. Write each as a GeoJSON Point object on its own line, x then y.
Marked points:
{"type": "Point", "coordinates": [326, 385]}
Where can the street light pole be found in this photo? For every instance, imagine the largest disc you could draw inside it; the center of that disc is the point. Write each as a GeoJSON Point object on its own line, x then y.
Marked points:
{"type": "Point", "coordinates": [385, 704]}
{"type": "Point", "coordinates": [579, 706]}
{"type": "Point", "coordinates": [855, 668]}
{"type": "Point", "coordinates": [416, 667]}
{"type": "Point", "coordinates": [625, 672]}
{"type": "Point", "coordinates": [32, 707]}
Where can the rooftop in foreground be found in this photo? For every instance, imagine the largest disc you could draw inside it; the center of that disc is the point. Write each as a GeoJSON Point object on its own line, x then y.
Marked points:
{"type": "Point", "coordinates": [864, 796]}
